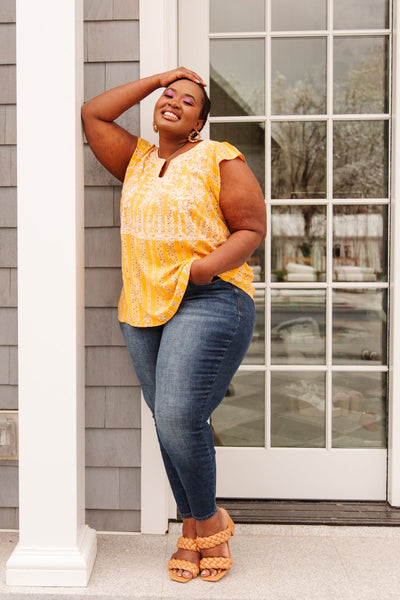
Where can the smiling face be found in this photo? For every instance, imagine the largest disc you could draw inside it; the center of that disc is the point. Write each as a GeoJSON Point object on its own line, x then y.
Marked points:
{"type": "Point", "coordinates": [178, 110]}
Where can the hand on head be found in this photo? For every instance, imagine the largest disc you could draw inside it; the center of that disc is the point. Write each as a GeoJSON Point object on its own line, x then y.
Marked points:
{"type": "Point", "coordinates": [180, 73]}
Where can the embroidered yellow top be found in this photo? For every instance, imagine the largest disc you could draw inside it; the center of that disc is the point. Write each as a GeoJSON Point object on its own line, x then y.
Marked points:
{"type": "Point", "coordinates": [166, 223]}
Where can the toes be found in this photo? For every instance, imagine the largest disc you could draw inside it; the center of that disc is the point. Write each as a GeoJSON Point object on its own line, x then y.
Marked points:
{"type": "Point", "coordinates": [210, 573]}
{"type": "Point", "coordinates": [182, 573]}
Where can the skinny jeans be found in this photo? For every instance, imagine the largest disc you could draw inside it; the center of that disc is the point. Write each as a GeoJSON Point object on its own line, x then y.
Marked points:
{"type": "Point", "coordinates": [184, 368]}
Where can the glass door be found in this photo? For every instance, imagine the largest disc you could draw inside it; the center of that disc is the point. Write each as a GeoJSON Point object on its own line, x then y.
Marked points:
{"type": "Point", "coordinates": [302, 88]}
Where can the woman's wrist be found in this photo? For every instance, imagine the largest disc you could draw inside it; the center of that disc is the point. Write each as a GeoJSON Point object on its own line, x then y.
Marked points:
{"type": "Point", "coordinates": [198, 272]}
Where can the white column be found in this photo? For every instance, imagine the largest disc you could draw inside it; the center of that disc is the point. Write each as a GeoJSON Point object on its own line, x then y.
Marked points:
{"type": "Point", "coordinates": [394, 371]}
{"type": "Point", "coordinates": [158, 53]}
{"type": "Point", "coordinates": [56, 548]}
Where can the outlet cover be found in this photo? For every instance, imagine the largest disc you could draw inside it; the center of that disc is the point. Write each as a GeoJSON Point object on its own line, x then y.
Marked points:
{"type": "Point", "coordinates": [8, 435]}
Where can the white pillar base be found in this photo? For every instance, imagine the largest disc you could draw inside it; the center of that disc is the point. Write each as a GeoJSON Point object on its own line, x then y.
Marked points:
{"type": "Point", "coordinates": [67, 567]}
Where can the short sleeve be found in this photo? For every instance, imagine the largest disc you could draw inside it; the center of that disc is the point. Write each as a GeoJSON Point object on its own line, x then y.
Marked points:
{"type": "Point", "coordinates": [225, 151]}
{"type": "Point", "coordinates": [142, 149]}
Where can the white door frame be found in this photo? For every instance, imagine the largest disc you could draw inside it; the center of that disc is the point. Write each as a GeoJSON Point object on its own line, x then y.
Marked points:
{"type": "Point", "coordinates": [394, 296]}
{"type": "Point", "coordinates": [159, 50]}
{"type": "Point", "coordinates": [158, 53]}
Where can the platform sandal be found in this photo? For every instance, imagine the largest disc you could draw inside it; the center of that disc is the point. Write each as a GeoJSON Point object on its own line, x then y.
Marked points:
{"type": "Point", "coordinates": [211, 541]}
{"type": "Point", "coordinates": [184, 543]}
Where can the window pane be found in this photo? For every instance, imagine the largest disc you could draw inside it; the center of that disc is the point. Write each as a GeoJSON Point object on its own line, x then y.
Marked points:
{"type": "Point", "coordinates": [237, 73]}
{"type": "Point", "coordinates": [360, 243]}
{"type": "Point", "coordinates": [226, 15]}
{"type": "Point", "coordinates": [249, 138]}
{"type": "Point", "coordinates": [360, 14]}
{"type": "Point", "coordinates": [239, 419]}
{"type": "Point", "coordinates": [298, 246]}
{"type": "Point", "coordinates": [359, 410]}
{"type": "Point", "coordinates": [360, 161]}
{"type": "Point", "coordinates": [298, 76]}
{"type": "Point", "coordinates": [298, 410]}
{"type": "Point", "coordinates": [287, 16]}
{"type": "Point", "coordinates": [256, 353]}
{"type": "Point", "coordinates": [359, 326]}
{"type": "Point", "coordinates": [298, 320]}
{"type": "Point", "coordinates": [298, 160]}
{"type": "Point", "coordinates": [257, 263]}
{"type": "Point", "coordinates": [360, 75]}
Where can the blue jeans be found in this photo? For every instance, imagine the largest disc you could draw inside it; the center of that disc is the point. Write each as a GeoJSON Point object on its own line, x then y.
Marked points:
{"type": "Point", "coordinates": [184, 368]}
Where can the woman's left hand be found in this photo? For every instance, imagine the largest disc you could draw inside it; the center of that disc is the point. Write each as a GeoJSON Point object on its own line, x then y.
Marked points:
{"type": "Point", "coordinates": [198, 274]}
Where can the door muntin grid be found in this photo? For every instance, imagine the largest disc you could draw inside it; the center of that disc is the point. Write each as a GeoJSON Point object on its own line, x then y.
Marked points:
{"type": "Point", "coordinates": [317, 137]}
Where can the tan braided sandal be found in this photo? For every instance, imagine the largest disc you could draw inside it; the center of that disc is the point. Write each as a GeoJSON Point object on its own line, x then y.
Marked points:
{"type": "Point", "coordinates": [211, 541]}
{"type": "Point", "coordinates": [184, 543]}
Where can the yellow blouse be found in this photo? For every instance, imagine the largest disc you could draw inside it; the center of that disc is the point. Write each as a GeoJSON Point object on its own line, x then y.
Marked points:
{"type": "Point", "coordinates": [166, 223]}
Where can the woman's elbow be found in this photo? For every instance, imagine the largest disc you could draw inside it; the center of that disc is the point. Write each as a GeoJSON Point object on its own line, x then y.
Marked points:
{"type": "Point", "coordinates": [262, 232]}
{"type": "Point", "coordinates": [84, 112]}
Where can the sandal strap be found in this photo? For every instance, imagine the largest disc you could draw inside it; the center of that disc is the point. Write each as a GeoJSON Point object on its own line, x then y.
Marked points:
{"type": "Point", "coordinates": [214, 540]}
{"type": "Point", "coordinates": [185, 565]}
{"type": "Point", "coordinates": [185, 543]}
{"type": "Point", "coordinates": [216, 562]}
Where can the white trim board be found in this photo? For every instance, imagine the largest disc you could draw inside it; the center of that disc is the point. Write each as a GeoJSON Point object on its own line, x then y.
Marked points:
{"type": "Point", "coordinates": [55, 546]}
{"type": "Point", "coordinates": [158, 53]}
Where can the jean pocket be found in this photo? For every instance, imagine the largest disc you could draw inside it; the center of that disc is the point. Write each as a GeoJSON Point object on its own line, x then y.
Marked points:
{"type": "Point", "coordinates": [213, 280]}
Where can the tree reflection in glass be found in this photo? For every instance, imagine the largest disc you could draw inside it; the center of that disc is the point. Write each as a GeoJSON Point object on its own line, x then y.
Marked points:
{"type": "Point", "coordinates": [360, 74]}
{"type": "Point", "coordinates": [360, 161]}
{"type": "Point", "coordinates": [298, 160]}
{"type": "Point", "coordinates": [298, 68]}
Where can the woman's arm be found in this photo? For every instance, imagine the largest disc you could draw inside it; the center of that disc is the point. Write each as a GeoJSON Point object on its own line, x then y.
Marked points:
{"type": "Point", "coordinates": [242, 203]}
{"type": "Point", "coordinates": [112, 145]}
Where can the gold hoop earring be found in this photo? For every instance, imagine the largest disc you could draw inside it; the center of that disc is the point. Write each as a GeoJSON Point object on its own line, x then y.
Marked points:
{"type": "Point", "coordinates": [155, 127]}
{"type": "Point", "coordinates": [194, 136]}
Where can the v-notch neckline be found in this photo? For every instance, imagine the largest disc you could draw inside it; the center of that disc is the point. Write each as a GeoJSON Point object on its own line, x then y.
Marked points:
{"type": "Point", "coordinates": [167, 161]}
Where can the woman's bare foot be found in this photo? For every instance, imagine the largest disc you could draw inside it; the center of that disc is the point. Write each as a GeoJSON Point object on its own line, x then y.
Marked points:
{"type": "Point", "coordinates": [189, 531]}
{"type": "Point", "coordinates": [216, 524]}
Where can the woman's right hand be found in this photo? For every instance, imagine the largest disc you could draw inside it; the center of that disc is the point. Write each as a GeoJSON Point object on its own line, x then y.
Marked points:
{"type": "Point", "coordinates": [179, 73]}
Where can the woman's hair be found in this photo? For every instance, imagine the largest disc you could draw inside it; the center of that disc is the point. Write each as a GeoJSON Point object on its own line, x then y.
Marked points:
{"type": "Point", "coordinates": [206, 100]}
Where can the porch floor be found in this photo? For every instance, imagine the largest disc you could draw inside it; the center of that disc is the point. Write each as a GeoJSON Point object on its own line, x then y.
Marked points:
{"type": "Point", "coordinates": [271, 562]}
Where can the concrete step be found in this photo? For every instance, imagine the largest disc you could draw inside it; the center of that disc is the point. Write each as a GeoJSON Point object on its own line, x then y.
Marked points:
{"type": "Point", "coordinates": [271, 562]}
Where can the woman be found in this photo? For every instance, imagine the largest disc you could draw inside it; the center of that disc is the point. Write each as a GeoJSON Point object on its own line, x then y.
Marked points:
{"type": "Point", "coordinates": [192, 212]}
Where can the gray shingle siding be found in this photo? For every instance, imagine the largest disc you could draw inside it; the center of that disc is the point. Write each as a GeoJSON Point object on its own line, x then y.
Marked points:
{"type": "Point", "coordinates": [109, 41]}
{"type": "Point", "coordinates": [7, 43]}
{"type": "Point", "coordinates": [112, 393]}
{"type": "Point", "coordinates": [7, 11]}
{"type": "Point", "coordinates": [8, 80]}
{"type": "Point", "coordinates": [8, 248]}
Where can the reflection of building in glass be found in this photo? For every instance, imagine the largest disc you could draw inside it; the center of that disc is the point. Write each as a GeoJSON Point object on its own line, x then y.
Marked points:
{"type": "Point", "coordinates": [248, 137]}
{"type": "Point", "coordinates": [299, 243]}
{"type": "Point", "coordinates": [358, 243]}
